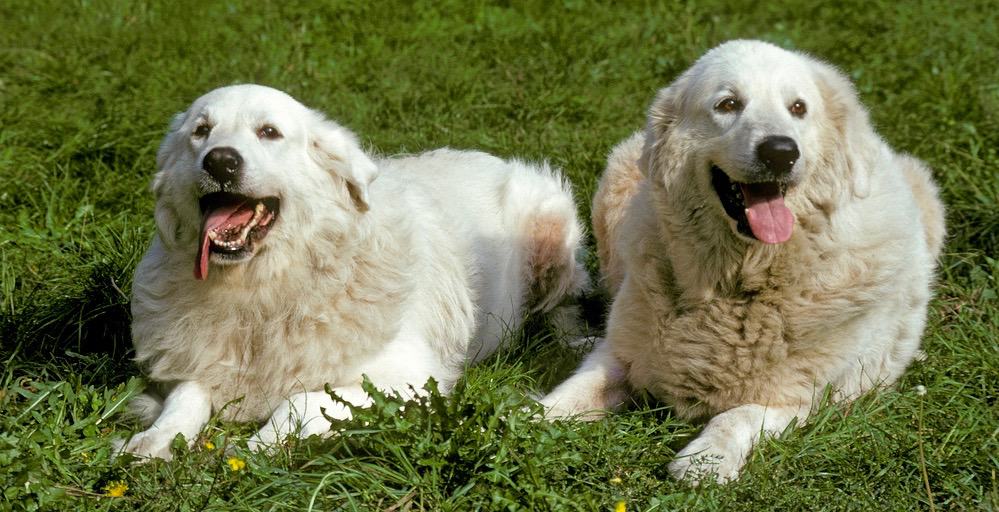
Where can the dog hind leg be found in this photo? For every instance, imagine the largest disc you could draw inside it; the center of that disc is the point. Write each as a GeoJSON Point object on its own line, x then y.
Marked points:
{"type": "Point", "coordinates": [544, 216]}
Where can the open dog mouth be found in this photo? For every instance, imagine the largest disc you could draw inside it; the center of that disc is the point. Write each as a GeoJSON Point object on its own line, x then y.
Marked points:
{"type": "Point", "coordinates": [757, 208]}
{"type": "Point", "coordinates": [231, 227]}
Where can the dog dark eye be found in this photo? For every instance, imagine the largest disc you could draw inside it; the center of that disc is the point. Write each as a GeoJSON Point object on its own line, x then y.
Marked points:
{"type": "Point", "coordinates": [202, 130]}
{"type": "Point", "coordinates": [798, 108]}
{"type": "Point", "coordinates": [268, 132]}
{"type": "Point", "coordinates": [729, 105]}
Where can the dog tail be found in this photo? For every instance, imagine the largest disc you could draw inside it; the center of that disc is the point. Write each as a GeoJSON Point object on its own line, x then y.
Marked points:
{"type": "Point", "coordinates": [551, 235]}
{"type": "Point", "coordinates": [619, 183]}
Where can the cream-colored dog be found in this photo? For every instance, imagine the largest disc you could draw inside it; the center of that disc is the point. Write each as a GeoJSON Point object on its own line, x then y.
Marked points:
{"type": "Point", "coordinates": [762, 243]}
{"type": "Point", "coordinates": [308, 271]}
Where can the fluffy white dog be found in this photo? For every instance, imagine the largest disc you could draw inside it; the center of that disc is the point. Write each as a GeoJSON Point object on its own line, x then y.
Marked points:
{"type": "Point", "coordinates": [762, 243]}
{"type": "Point", "coordinates": [308, 271]}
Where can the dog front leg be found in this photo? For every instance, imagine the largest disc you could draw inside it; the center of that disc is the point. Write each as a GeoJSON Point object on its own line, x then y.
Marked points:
{"type": "Point", "coordinates": [720, 451]}
{"type": "Point", "coordinates": [597, 387]}
{"type": "Point", "coordinates": [405, 363]}
{"type": "Point", "coordinates": [302, 415]}
{"type": "Point", "coordinates": [185, 411]}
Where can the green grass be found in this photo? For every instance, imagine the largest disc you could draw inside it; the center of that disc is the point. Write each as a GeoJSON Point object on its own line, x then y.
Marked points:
{"type": "Point", "coordinates": [87, 88]}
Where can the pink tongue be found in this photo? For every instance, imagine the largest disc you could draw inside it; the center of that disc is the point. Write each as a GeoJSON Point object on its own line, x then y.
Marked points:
{"type": "Point", "coordinates": [227, 215]}
{"type": "Point", "coordinates": [769, 219]}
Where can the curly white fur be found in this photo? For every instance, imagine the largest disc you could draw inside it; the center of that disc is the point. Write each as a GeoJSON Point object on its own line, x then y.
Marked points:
{"type": "Point", "coordinates": [400, 269]}
{"type": "Point", "coordinates": [720, 325]}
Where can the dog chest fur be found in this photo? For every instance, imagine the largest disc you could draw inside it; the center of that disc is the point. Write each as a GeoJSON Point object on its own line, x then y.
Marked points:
{"type": "Point", "coordinates": [328, 315]}
{"type": "Point", "coordinates": [750, 323]}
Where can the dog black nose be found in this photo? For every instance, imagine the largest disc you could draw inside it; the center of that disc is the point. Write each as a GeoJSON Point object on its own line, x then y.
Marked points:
{"type": "Point", "coordinates": [223, 164]}
{"type": "Point", "coordinates": [778, 153]}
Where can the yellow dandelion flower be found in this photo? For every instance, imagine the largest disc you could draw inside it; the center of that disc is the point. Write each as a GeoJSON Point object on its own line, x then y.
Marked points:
{"type": "Point", "coordinates": [615, 480]}
{"type": "Point", "coordinates": [116, 489]}
{"type": "Point", "coordinates": [619, 507]}
{"type": "Point", "coordinates": [209, 445]}
{"type": "Point", "coordinates": [236, 463]}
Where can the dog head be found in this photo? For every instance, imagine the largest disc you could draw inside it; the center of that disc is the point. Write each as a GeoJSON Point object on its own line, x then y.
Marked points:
{"type": "Point", "coordinates": [247, 169]}
{"type": "Point", "coordinates": [749, 124]}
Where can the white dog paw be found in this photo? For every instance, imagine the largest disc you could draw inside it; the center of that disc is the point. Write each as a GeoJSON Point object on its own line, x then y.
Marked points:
{"type": "Point", "coordinates": [703, 460]}
{"type": "Point", "coordinates": [554, 408]}
{"type": "Point", "coordinates": [275, 431]}
{"type": "Point", "coordinates": [266, 440]}
{"type": "Point", "coordinates": [264, 443]}
{"type": "Point", "coordinates": [562, 405]}
{"type": "Point", "coordinates": [146, 445]}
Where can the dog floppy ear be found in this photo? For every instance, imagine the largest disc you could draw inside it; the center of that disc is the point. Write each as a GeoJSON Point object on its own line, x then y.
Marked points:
{"type": "Point", "coordinates": [167, 223]}
{"type": "Point", "coordinates": [167, 153]}
{"type": "Point", "coordinates": [663, 116]}
{"type": "Point", "coordinates": [853, 132]}
{"type": "Point", "coordinates": [336, 149]}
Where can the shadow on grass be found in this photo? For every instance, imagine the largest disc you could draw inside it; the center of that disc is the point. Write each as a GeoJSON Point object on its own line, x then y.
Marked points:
{"type": "Point", "coordinates": [86, 332]}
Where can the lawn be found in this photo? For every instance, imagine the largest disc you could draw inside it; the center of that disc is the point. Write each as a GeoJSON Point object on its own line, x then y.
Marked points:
{"type": "Point", "coordinates": [87, 89]}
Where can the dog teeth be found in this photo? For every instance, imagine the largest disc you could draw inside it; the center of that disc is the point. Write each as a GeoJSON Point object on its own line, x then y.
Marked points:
{"type": "Point", "coordinates": [231, 245]}
{"type": "Point", "coordinates": [238, 242]}
{"type": "Point", "coordinates": [258, 213]}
